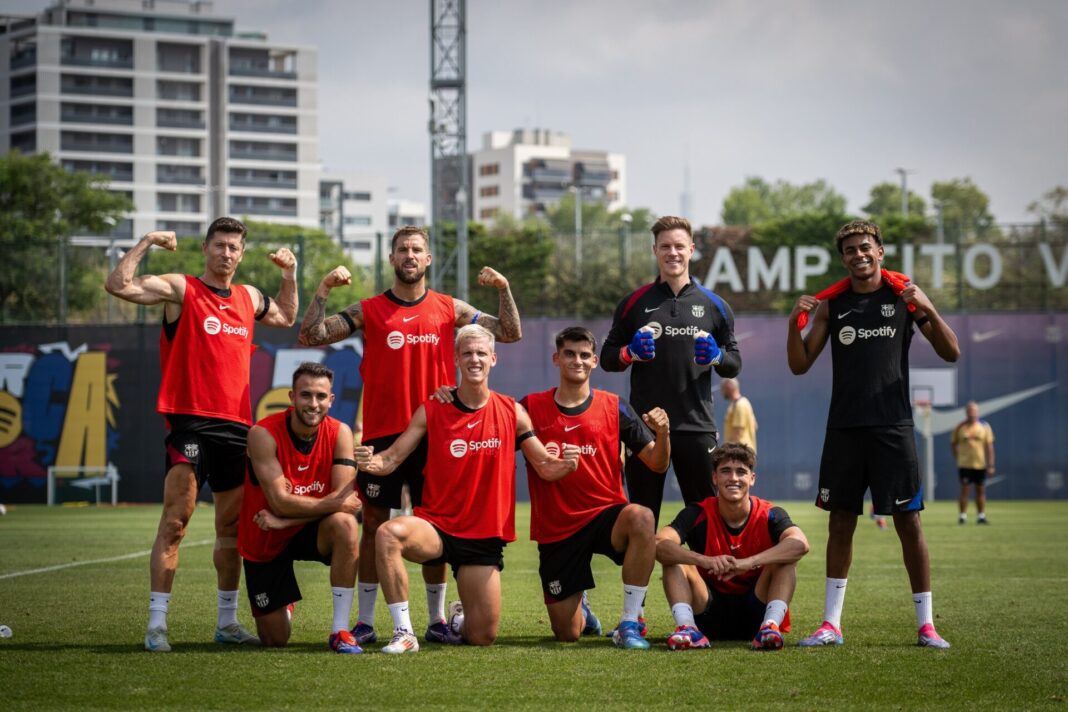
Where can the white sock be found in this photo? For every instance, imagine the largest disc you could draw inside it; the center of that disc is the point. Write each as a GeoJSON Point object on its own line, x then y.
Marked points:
{"type": "Point", "coordinates": [963, 517]}
{"type": "Point", "coordinates": [633, 598]}
{"type": "Point", "coordinates": [833, 600]}
{"type": "Point", "coordinates": [683, 614]}
{"type": "Point", "coordinates": [367, 596]}
{"type": "Point", "coordinates": [922, 602]}
{"type": "Point", "coordinates": [342, 607]}
{"type": "Point", "coordinates": [157, 609]}
{"type": "Point", "coordinates": [775, 611]}
{"type": "Point", "coordinates": [982, 516]}
{"type": "Point", "coordinates": [227, 608]}
{"type": "Point", "coordinates": [402, 619]}
{"type": "Point", "coordinates": [435, 601]}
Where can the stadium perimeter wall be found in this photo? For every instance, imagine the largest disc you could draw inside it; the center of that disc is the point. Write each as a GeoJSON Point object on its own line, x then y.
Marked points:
{"type": "Point", "coordinates": [86, 396]}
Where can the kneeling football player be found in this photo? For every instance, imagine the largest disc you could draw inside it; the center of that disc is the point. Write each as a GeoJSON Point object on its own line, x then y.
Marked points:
{"type": "Point", "coordinates": [299, 505]}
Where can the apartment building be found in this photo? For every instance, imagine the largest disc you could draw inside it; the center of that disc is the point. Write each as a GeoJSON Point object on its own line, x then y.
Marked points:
{"type": "Point", "coordinates": [186, 116]}
{"type": "Point", "coordinates": [354, 211]}
{"type": "Point", "coordinates": [523, 172]}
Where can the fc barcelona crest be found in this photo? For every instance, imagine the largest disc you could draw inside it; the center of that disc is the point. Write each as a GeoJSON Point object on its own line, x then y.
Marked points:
{"type": "Point", "coordinates": [889, 310]}
{"type": "Point", "coordinates": [698, 310]}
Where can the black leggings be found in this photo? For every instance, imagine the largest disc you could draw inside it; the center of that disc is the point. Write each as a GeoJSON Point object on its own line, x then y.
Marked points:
{"type": "Point", "coordinates": [691, 457]}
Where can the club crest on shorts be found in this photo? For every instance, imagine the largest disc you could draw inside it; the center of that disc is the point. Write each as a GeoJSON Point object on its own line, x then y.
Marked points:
{"type": "Point", "coordinates": [374, 489]}
{"type": "Point", "coordinates": [698, 310]}
{"type": "Point", "coordinates": [191, 450]}
{"type": "Point", "coordinates": [825, 494]}
{"type": "Point", "coordinates": [555, 588]}
{"type": "Point", "coordinates": [889, 310]}
{"type": "Point", "coordinates": [262, 600]}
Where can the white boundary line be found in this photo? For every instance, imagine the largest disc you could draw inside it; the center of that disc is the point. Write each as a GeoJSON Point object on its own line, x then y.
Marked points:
{"type": "Point", "coordinates": [60, 567]}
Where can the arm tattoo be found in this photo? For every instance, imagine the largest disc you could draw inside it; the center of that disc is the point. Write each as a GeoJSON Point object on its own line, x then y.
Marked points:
{"type": "Point", "coordinates": [312, 332]}
{"type": "Point", "coordinates": [506, 327]}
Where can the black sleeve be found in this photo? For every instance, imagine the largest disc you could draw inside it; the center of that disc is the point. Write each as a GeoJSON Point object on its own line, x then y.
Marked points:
{"type": "Point", "coordinates": [778, 522]}
{"type": "Point", "coordinates": [690, 532]}
{"type": "Point", "coordinates": [633, 432]}
{"type": "Point", "coordinates": [618, 337]}
{"type": "Point", "coordinates": [731, 365]}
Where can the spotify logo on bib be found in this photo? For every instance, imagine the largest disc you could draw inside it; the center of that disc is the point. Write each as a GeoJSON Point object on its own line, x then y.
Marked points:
{"type": "Point", "coordinates": [553, 449]}
{"type": "Point", "coordinates": [395, 340]}
{"type": "Point", "coordinates": [212, 325]}
{"type": "Point", "coordinates": [458, 448]}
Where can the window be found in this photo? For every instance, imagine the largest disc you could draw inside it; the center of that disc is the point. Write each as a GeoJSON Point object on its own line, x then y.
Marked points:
{"type": "Point", "coordinates": [177, 146]}
{"type": "Point", "coordinates": [270, 123]}
{"type": "Point", "coordinates": [95, 142]}
{"type": "Point", "coordinates": [488, 213]}
{"type": "Point", "coordinates": [23, 113]}
{"type": "Point", "coordinates": [488, 191]}
{"type": "Point", "coordinates": [357, 219]}
{"type": "Point", "coordinates": [96, 114]}
{"type": "Point", "coordinates": [96, 85]}
{"type": "Point", "coordinates": [24, 141]}
{"type": "Point", "coordinates": [271, 96]}
{"type": "Point", "coordinates": [180, 118]}
{"type": "Point", "coordinates": [263, 150]}
{"type": "Point", "coordinates": [259, 178]}
{"type": "Point", "coordinates": [178, 203]}
{"type": "Point", "coordinates": [263, 206]}
{"type": "Point", "coordinates": [178, 91]}
{"type": "Point", "coordinates": [489, 169]}
{"type": "Point", "coordinates": [174, 174]}
{"type": "Point", "coordinates": [113, 170]}
{"type": "Point", "coordinates": [362, 196]}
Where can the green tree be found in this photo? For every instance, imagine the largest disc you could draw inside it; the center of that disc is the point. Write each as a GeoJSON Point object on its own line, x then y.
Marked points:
{"type": "Point", "coordinates": [41, 207]}
{"type": "Point", "coordinates": [1052, 207]}
{"type": "Point", "coordinates": [886, 200]}
{"type": "Point", "coordinates": [965, 207]}
{"type": "Point", "coordinates": [757, 201]}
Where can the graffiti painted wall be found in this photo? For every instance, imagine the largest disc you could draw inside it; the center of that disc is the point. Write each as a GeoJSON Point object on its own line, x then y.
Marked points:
{"type": "Point", "coordinates": [85, 396]}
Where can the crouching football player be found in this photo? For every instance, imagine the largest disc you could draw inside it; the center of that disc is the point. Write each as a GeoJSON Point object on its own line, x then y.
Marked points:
{"type": "Point", "coordinates": [298, 505]}
{"type": "Point", "coordinates": [740, 569]}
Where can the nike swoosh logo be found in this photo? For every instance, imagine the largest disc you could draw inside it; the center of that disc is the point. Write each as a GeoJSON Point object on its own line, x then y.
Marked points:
{"type": "Point", "coordinates": [734, 546]}
{"type": "Point", "coordinates": [839, 585]}
{"type": "Point", "coordinates": [406, 319]}
{"type": "Point", "coordinates": [711, 450]}
{"type": "Point", "coordinates": [651, 310]}
{"type": "Point", "coordinates": [569, 428]}
{"type": "Point", "coordinates": [368, 590]}
{"type": "Point", "coordinates": [943, 421]}
{"type": "Point", "coordinates": [223, 306]}
{"type": "Point", "coordinates": [899, 502]}
{"type": "Point", "coordinates": [471, 425]}
{"type": "Point", "coordinates": [843, 316]}
{"type": "Point", "coordinates": [981, 336]}
{"type": "Point", "coordinates": [337, 595]}
{"type": "Point", "coordinates": [302, 468]}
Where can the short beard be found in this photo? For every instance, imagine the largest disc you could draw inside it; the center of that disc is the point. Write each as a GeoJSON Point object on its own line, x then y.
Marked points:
{"type": "Point", "coordinates": [414, 279]}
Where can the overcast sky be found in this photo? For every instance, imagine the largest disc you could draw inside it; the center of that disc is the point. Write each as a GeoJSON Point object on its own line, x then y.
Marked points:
{"type": "Point", "coordinates": [845, 90]}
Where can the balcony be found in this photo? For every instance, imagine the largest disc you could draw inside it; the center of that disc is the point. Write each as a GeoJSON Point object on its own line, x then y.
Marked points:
{"type": "Point", "coordinates": [23, 58]}
{"type": "Point", "coordinates": [263, 96]}
{"type": "Point", "coordinates": [179, 175]}
{"type": "Point", "coordinates": [263, 179]}
{"type": "Point", "coordinates": [179, 119]}
{"type": "Point", "coordinates": [23, 86]}
{"type": "Point", "coordinates": [96, 85]}
{"type": "Point", "coordinates": [260, 123]}
{"type": "Point", "coordinates": [96, 142]}
{"type": "Point", "coordinates": [263, 151]}
{"type": "Point", "coordinates": [263, 63]}
{"type": "Point", "coordinates": [96, 114]}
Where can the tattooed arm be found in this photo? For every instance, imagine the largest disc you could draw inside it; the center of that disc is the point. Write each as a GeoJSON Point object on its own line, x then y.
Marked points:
{"type": "Point", "coordinates": [317, 328]}
{"type": "Point", "coordinates": [505, 326]}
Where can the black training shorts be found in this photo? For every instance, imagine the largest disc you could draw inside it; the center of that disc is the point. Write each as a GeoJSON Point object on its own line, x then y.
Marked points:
{"type": "Point", "coordinates": [565, 565]}
{"type": "Point", "coordinates": [881, 459]}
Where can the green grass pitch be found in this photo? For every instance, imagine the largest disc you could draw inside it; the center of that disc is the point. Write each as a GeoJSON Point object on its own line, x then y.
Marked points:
{"type": "Point", "coordinates": [999, 597]}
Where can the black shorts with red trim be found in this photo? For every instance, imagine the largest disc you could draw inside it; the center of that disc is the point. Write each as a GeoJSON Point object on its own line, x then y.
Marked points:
{"type": "Point", "coordinates": [734, 617]}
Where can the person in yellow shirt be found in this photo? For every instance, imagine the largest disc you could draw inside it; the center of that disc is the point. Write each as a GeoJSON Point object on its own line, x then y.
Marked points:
{"type": "Point", "coordinates": [740, 424]}
{"type": "Point", "coordinates": [973, 447]}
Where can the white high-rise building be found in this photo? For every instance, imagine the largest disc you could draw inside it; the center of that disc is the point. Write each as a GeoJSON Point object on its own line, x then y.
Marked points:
{"type": "Point", "coordinates": [353, 210]}
{"type": "Point", "coordinates": [187, 117]}
{"type": "Point", "coordinates": [522, 172]}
